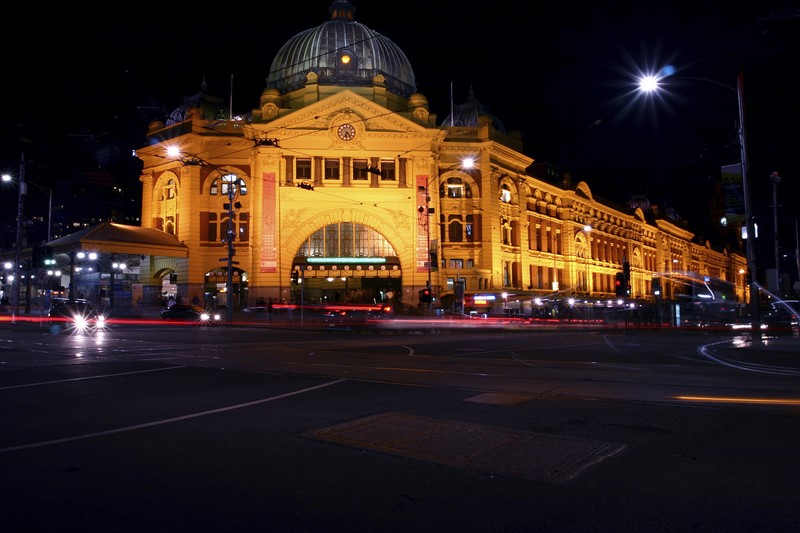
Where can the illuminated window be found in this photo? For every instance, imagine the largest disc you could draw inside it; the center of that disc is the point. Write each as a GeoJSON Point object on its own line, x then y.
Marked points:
{"type": "Point", "coordinates": [167, 208]}
{"type": "Point", "coordinates": [346, 239]}
{"type": "Point", "coordinates": [218, 227]}
{"type": "Point", "coordinates": [360, 171]}
{"type": "Point", "coordinates": [505, 194]}
{"type": "Point", "coordinates": [388, 170]}
{"type": "Point", "coordinates": [456, 263]}
{"type": "Point", "coordinates": [227, 184]}
{"type": "Point", "coordinates": [331, 169]}
{"type": "Point", "coordinates": [302, 168]}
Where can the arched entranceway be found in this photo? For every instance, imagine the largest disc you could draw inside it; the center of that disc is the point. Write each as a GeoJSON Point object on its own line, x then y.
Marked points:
{"type": "Point", "coordinates": [346, 262]}
{"type": "Point", "coordinates": [216, 288]}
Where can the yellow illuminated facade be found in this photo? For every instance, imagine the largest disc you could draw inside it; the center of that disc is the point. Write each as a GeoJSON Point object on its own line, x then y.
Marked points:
{"type": "Point", "coordinates": [343, 175]}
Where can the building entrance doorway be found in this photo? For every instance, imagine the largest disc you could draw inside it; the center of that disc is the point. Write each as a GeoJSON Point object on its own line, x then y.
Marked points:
{"type": "Point", "coordinates": [216, 288]}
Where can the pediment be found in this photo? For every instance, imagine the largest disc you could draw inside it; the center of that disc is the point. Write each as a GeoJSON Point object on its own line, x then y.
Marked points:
{"type": "Point", "coordinates": [345, 107]}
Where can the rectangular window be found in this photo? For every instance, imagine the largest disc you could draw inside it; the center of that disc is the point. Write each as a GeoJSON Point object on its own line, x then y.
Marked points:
{"type": "Point", "coordinates": [457, 263]}
{"type": "Point", "coordinates": [303, 169]}
{"type": "Point", "coordinates": [470, 263]}
{"type": "Point", "coordinates": [331, 169]}
{"type": "Point", "coordinates": [469, 230]}
{"type": "Point", "coordinates": [360, 171]}
{"type": "Point", "coordinates": [213, 234]}
{"type": "Point", "coordinates": [243, 234]}
{"type": "Point", "coordinates": [388, 170]}
{"type": "Point", "coordinates": [218, 227]}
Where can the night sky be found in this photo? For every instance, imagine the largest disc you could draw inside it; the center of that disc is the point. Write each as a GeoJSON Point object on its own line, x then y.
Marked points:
{"type": "Point", "coordinates": [561, 74]}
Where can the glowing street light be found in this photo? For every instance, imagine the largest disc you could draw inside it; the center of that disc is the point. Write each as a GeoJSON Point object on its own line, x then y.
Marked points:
{"type": "Point", "coordinates": [651, 84]}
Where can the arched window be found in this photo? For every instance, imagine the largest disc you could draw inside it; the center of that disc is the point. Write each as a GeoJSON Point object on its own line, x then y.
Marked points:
{"type": "Point", "coordinates": [455, 229]}
{"type": "Point", "coordinates": [228, 183]}
{"type": "Point", "coordinates": [167, 209]}
{"type": "Point", "coordinates": [505, 194]}
{"type": "Point", "coordinates": [218, 220]}
{"type": "Point", "coordinates": [346, 239]}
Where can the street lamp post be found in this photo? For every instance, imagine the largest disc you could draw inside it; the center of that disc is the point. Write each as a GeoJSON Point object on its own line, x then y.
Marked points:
{"type": "Point", "coordinates": [466, 163]}
{"type": "Point", "coordinates": [650, 83]}
{"type": "Point", "coordinates": [21, 191]}
{"type": "Point", "coordinates": [232, 194]}
{"type": "Point", "coordinates": [232, 182]}
{"type": "Point", "coordinates": [776, 179]}
{"type": "Point", "coordinates": [428, 246]}
{"type": "Point", "coordinates": [755, 319]}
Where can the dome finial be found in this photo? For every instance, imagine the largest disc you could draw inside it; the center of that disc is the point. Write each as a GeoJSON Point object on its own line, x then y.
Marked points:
{"type": "Point", "coordinates": [342, 10]}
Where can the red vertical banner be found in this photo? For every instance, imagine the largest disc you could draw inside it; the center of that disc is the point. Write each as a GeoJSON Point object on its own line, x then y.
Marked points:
{"type": "Point", "coordinates": [423, 224]}
{"type": "Point", "coordinates": [269, 237]}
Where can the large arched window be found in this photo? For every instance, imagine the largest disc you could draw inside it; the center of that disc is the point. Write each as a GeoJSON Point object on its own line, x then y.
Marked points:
{"type": "Point", "coordinates": [455, 188]}
{"type": "Point", "coordinates": [227, 184]}
{"type": "Point", "coordinates": [167, 209]}
{"type": "Point", "coordinates": [346, 239]}
{"type": "Point", "coordinates": [216, 223]}
{"type": "Point", "coordinates": [505, 194]}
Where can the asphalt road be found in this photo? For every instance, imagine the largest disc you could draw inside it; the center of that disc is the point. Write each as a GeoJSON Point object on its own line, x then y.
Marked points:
{"type": "Point", "coordinates": [148, 428]}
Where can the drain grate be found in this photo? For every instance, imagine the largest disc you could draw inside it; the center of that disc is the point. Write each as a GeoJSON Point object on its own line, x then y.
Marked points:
{"type": "Point", "coordinates": [506, 452]}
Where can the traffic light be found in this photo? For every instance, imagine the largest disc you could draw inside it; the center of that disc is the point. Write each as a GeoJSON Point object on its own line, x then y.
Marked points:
{"type": "Point", "coordinates": [425, 295]}
{"type": "Point", "coordinates": [620, 285]}
{"type": "Point", "coordinates": [41, 257]}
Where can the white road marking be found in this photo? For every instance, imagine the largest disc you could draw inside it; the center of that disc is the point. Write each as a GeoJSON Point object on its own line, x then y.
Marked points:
{"type": "Point", "coordinates": [167, 420]}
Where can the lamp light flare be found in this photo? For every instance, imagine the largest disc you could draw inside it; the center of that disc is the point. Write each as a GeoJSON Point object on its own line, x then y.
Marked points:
{"type": "Point", "coordinates": [648, 84]}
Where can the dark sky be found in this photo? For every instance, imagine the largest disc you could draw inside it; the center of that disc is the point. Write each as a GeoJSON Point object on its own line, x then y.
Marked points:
{"type": "Point", "coordinates": [559, 72]}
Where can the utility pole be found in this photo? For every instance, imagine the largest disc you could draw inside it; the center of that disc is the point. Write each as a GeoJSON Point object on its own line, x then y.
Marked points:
{"type": "Point", "coordinates": [22, 191]}
{"type": "Point", "coordinates": [232, 193]}
{"type": "Point", "coordinates": [755, 312]}
{"type": "Point", "coordinates": [776, 179]}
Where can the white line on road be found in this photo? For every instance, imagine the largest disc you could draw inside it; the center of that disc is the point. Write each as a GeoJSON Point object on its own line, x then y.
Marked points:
{"type": "Point", "coordinates": [167, 420]}
{"type": "Point", "coordinates": [89, 377]}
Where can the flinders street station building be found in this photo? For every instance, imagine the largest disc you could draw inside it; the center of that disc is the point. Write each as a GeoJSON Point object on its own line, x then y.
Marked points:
{"type": "Point", "coordinates": [341, 185]}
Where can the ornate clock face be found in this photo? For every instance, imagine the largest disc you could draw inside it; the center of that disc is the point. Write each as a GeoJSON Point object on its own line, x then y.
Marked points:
{"type": "Point", "coordinates": [346, 132]}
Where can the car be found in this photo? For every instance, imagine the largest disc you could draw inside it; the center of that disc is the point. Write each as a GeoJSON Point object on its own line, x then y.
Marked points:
{"type": "Point", "coordinates": [190, 313]}
{"type": "Point", "coordinates": [347, 316]}
{"type": "Point", "coordinates": [78, 314]}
